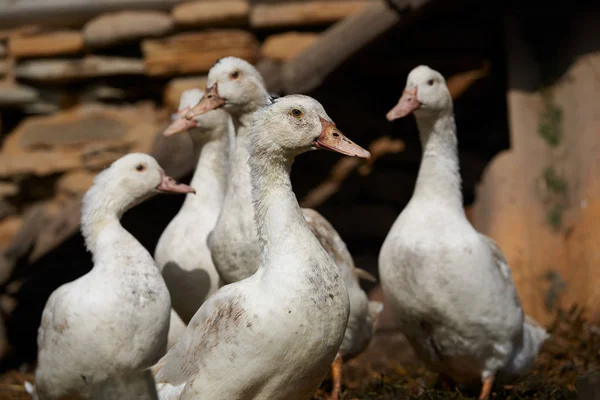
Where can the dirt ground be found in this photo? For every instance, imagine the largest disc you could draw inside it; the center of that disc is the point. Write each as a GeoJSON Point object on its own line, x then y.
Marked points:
{"type": "Point", "coordinates": [568, 367]}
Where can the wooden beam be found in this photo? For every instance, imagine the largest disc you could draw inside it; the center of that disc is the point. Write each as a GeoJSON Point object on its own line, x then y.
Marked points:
{"type": "Point", "coordinates": [196, 52]}
{"type": "Point", "coordinates": [211, 13]}
{"type": "Point", "coordinates": [70, 12]}
{"type": "Point", "coordinates": [286, 46]}
{"type": "Point", "coordinates": [257, 2]}
{"type": "Point", "coordinates": [58, 69]}
{"type": "Point", "coordinates": [308, 70]}
{"type": "Point", "coordinates": [126, 26]}
{"type": "Point", "coordinates": [177, 86]}
{"type": "Point", "coordinates": [311, 12]}
{"type": "Point", "coordinates": [46, 44]}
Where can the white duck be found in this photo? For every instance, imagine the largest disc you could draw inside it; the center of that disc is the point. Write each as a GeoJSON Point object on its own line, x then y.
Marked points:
{"type": "Point", "coordinates": [450, 287]}
{"type": "Point", "coordinates": [239, 88]}
{"type": "Point", "coordinates": [272, 335]}
{"type": "Point", "coordinates": [100, 332]}
{"type": "Point", "coordinates": [182, 253]}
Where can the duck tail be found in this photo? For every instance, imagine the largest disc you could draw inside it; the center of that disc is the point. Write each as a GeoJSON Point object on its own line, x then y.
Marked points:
{"type": "Point", "coordinates": [362, 274]}
{"type": "Point", "coordinates": [375, 309]}
{"type": "Point", "coordinates": [156, 368]}
{"type": "Point", "coordinates": [30, 388]}
{"type": "Point", "coordinates": [534, 335]}
{"type": "Point", "coordinates": [537, 333]}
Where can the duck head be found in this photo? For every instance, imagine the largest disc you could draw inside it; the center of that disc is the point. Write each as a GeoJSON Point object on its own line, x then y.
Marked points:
{"type": "Point", "coordinates": [425, 94]}
{"type": "Point", "coordinates": [202, 128]}
{"type": "Point", "coordinates": [135, 177]}
{"type": "Point", "coordinates": [233, 84]}
{"type": "Point", "coordinates": [128, 181]}
{"type": "Point", "coordinates": [295, 124]}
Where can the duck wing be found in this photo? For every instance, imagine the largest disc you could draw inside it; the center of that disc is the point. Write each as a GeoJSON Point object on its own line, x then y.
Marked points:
{"type": "Point", "coordinates": [213, 326]}
{"type": "Point", "coordinates": [502, 264]}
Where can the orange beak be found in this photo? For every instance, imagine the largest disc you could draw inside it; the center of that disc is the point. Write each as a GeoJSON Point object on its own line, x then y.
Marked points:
{"type": "Point", "coordinates": [170, 185]}
{"type": "Point", "coordinates": [332, 139]}
{"type": "Point", "coordinates": [210, 101]}
{"type": "Point", "coordinates": [406, 105]}
{"type": "Point", "coordinates": [180, 124]}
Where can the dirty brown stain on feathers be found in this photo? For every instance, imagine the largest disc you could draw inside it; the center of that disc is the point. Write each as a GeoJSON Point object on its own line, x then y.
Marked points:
{"type": "Point", "coordinates": [62, 326]}
{"type": "Point", "coordinates": [224, 316]}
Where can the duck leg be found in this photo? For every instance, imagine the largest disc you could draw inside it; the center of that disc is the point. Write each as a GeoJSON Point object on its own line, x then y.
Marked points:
{"type": "Point", "coordinates": [336, 375]}
{"type": "Point", "coordinates": [486, 389]}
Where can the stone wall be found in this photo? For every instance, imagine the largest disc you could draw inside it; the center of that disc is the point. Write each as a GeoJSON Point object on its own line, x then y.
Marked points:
{"type": "Point", "coordinates": [78, 95]}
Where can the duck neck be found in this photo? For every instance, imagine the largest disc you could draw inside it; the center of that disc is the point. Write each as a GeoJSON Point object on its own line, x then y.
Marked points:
{"type": "Point", "coordinates": [239, 184]}
{"type": "Point", "coordinates": [439, 173]}
{"type": "Point", "coordinates": [278, 216]}
{"type": "Point", "coordinates": [210, 176]}
{"type": "Point", "coordinates": [101, 211]}
{"type": "Point", "coordinates": [241, 118]}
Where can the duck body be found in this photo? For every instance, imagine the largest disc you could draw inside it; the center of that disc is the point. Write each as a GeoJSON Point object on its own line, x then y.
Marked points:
{"type": "Point", "coordinates": [450, 287]}
{"type": "Point", "coordinates": [92, 307]}
{"type": "Point", "coordinates": [233, 242]}
{"type": "Point", "coordinates": [453, 327]}
{"type": "Point", "coordinates": [102, 330]}
{"type": "Point", "coordinates": [182, 253]}
{"type": "Point", "coordinates": [184, 257]}
{"type": "Point", "coordinates": [101, 293]}
{"type": "Point", "coordinates": [274, 334]}
{"type": "Point", "coordinates": [184, 250]}
{"type": "Point", "coordinates": [267, 345]}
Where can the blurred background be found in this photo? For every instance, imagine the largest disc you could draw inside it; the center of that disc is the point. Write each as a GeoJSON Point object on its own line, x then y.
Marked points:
{"type": "Point", "coordinates": [84, 82]}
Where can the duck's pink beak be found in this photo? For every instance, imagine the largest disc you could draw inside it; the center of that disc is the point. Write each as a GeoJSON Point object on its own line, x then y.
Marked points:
{"type": "Point", "coordinates": [170, 185]}
{"type": "Point", "coordinates": [332, 139]}
{"type": "Point", "coordinates": [406, 105]}
{"type": "Point", "coordinates": [181, 124]}
{"type": "Point", "coordinates": [210, 101]}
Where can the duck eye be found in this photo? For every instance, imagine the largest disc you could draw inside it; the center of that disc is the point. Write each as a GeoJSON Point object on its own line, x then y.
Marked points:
{"type": "Point", "coordinates": [140, 167]}
{"type": "Point", "coordinates": [296, 113]}
{"type": "Point", "coordinates": [430, 82]}
{"type": "Point", "coordinates": [234, 75]}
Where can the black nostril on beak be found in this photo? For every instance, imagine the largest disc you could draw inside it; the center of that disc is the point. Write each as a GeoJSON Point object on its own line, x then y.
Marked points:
{"type": "Point", "coordinates": [336, 134]}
